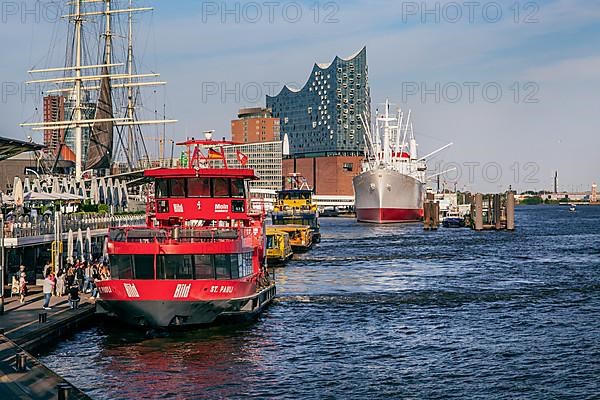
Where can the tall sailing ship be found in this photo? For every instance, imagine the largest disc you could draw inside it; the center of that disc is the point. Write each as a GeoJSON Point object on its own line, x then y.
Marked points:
{"type": "Point", "coordinates": [93, 85]}
{"type": "Point", "coordinates": [391, 187]}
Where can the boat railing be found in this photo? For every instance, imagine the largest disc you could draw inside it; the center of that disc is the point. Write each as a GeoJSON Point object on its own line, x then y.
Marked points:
{"type": "Point", "coordinates": [169, 235]}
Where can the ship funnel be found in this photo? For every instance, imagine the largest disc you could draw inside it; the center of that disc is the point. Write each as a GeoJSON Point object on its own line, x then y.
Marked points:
{"type": "Point", "coordinates": [413, 149]}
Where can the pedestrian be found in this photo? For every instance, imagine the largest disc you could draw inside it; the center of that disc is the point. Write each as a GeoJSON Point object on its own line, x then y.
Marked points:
{"type": "Point", "coordinates": [79, 275]}
{"type": "Point", "coordinates": [22, 287]}
{"type": "Point", "coordinates": [60, 283]}
{"type": "Point", "coordinates": [47, 268]}
{"type": "Point", "coordinates": [87, 274]}
{"type": "Point", "coordinates": [70, 275]}
{"type": "Point", "coordinates": [19, 272]}
{"type": "Point", "coordinates": [48, 286]}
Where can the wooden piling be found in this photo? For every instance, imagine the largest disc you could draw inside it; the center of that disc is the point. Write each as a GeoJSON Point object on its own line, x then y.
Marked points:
{"type": "Point", "coordinates": [497, 212]}
{"type": "Point", "coordinates": [478, 212]}
{"type": "Point", "coordinates": [435, 215]}
{"type": "Point", "coordinates": [510, 211]}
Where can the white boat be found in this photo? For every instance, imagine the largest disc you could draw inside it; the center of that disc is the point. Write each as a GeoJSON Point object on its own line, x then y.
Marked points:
{"type": "Point", "coordinates": [391, 187]}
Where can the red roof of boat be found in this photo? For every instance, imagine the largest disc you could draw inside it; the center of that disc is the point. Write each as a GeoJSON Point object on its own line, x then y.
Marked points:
{"type": "Point", "coordinates": [210, 172]}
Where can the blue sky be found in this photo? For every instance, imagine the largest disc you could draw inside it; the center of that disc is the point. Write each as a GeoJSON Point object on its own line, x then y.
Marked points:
{"type": "Point", "coordinates": [197, 46]}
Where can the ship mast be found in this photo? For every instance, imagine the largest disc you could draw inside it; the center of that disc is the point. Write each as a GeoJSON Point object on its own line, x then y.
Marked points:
{"type": "Point", "coordinates": [82, 81]}
{"type": "Point", "coordinates": [77, 114]}
{"type": "Point", "coordinates": [130, 105]}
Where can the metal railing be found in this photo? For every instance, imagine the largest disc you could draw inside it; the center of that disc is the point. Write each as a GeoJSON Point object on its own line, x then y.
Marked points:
{"type": "Point", "coordinates": [26, 226]}
{"type": "Point", "coordinates": [181, 234]}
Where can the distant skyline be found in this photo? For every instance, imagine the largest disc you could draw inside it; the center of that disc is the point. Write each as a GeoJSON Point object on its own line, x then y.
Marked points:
{"type": "Point", "coordinates": [447, 62]}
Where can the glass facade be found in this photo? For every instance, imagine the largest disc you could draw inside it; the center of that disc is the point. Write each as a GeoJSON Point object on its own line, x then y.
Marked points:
{"type": "Point", "coordinates": [324, 117]}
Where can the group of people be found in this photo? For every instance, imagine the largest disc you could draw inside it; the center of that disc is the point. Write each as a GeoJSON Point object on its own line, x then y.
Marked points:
{"type": "Point", "coordinates": [78, 277]}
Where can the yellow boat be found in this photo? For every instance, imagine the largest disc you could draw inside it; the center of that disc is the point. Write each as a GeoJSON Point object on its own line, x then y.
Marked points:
{"type": "Point", "coordinates": [296, 207]}
{"type": "Point", "coordinates": [279, 250]}
{"type": "Point", "coordinates": [301, 236]}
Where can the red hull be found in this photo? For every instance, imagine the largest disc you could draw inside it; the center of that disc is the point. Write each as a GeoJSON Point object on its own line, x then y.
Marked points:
{"type": "Point", "coordinates": [388, 215]}
{"type": "Point", "coordinates": [167, 304]}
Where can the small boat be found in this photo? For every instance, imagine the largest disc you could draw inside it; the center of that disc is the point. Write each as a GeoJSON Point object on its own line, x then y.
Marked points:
{"type": "Point", "coordinates": [295, 206]}
{"type": "Point", "coordinates": [279, 250]}
{"type": "Point", "coordinates": [301, 237]}
{"type": "Point", "coordinates": [330, 212]}
{"type": "Point", "coordinates": [572, 208]}
{"type": "Point", "coordinates": [453, 220]}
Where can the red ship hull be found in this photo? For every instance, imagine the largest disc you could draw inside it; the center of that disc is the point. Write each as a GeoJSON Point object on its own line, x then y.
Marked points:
{"type": "Point", "coordinates": [388, 215]}
{"type": "Point", "coordinates": [181, 303]}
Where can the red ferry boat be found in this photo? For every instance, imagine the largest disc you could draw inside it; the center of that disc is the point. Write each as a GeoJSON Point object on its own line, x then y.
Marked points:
{"type": "Point", "coordinates": [200, 256]}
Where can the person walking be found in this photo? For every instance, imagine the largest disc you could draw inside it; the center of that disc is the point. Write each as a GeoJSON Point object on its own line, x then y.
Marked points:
{"type": "Point", "coordinates": [22, 287]}
{"type": "Point", "coordinates": [48, 286]}
{"type": "Point", "coordinates": [60, 283]}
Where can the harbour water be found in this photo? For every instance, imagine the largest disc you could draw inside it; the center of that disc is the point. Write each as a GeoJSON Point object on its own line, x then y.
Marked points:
{"type": "Point", "coordinates": [386, 312]}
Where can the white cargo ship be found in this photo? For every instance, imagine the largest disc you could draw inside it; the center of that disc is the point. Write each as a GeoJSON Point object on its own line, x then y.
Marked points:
{"type": "Point", "coordinates": [391, 187]}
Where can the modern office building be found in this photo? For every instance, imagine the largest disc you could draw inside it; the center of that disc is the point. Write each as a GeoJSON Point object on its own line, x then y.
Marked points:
{"type": "Point", "coordinates": [325, 117]}
{"type": "Point", "coordinates": [255, 125]}
{"type": "Point", "coordinates": [54, 111]}
{"type": "Point", "coordinates": [264, 157]}
{"type": "Point", "coordinates": [324, 124]}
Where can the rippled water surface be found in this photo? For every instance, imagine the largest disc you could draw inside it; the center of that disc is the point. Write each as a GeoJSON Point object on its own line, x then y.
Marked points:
{"type": "Point", "coordinates": [387, 312]}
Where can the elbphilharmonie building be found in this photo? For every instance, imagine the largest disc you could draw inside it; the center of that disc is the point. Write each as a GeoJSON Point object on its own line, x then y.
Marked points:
{"type": "Point", "coordinates": [324, 118]}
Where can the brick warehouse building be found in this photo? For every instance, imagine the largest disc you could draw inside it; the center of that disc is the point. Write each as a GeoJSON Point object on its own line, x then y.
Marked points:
{"type": "Point", "coordinates": [322, 124]}
{"type": "Point", "coordinates": [255, 125]}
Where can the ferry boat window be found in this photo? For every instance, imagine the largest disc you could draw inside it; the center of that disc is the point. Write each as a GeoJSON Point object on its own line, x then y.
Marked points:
{"type": "Point", "coordinates": [203, 267]}
{"type": "Point", "coordinates": [245, 267]}
{"type": "Point", "coordinates": [162, 188]}
{"type": "Point", "coordinates": [174, 266]}
{"type": "Point", "coordinates": [222, 266]}
{"type": "Point", "coordinates": [220, 187]}
{"type": "Point", "coordinates": [143, 266]}
{"type": "Point", "coordinates": [198, 187]}
{"type": "Point", "coordinates": [177, 187]}
{"type": "Point", "coordinates": [121, 266]}
{"type": "Point", "coordinates": [236, 261]}
{"type": "Point", "coordinates": [237, 188]}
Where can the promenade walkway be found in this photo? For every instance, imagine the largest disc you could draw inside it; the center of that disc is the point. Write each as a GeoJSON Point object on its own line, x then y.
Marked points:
{"type": "Point", "coordinates": [24, 333]}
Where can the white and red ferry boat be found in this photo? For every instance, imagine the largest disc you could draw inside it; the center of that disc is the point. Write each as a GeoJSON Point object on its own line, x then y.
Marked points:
{"type": "Point", "coordinates": [200, 256]}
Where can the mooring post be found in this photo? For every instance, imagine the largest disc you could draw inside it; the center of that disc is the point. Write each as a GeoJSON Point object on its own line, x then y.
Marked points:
{"type": "Point", "coordinates": [21, 362]}
{"type": "Point", "coordinates": [497, 212]}
{"type": "Point", "coordinates": [64, 391]}
{"type": "Point", "coordinates": [426, 222]}
{"type": "Point", "coordinates": [510, 211]}
{"type": "Point", "coordinates": [478, 212]}
{"type": "Point", "coordinates": [436, 215]}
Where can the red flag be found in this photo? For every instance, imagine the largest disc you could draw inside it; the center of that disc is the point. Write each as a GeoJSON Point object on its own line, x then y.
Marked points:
{"type": "Point", "coordinates": [242, 158]}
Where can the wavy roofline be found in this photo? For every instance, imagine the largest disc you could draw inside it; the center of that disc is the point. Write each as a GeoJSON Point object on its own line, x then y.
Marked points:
{"type": "Point", "coordinates": [321, 66]}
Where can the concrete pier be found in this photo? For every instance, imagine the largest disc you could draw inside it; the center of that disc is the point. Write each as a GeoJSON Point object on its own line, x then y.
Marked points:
{"type": "Point", "coordinates": [27, 328]}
